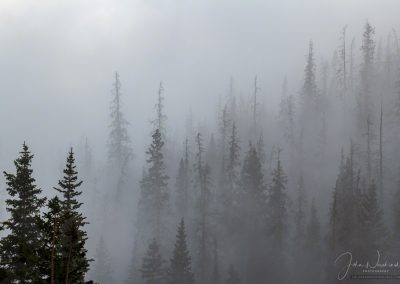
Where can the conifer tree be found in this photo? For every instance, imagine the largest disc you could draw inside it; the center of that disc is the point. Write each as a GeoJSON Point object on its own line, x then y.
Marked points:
{"type": "Point", "coordinates": [372, 227]}
{"type": "Point", "coordinates": [277, 206]}
{"type": "Point", "coordinates": [252, 216]}
{"type": "Point", "coordinates": [119, 148]}
{"type": "Point", "coordinates": [233, 276]}
{"type": "Point", "coordinates": [51, 257]}
{"type": "Point", "coordinates": [74, 237]}
{"type": "Point", "coordinates": [180, 268]}
{"type": "Point", "coordinates": [233, 172]}
{"type": "Point", "coordinates": [202, 183]}
{"type": "Point", "coordinates": [20, 249]}
{"type": "Point", "coordinates": [154, 187]}
{"type": "Point", "coordinates": [152, 269]}
{"type": "Point", "coordinates": [299, 218]}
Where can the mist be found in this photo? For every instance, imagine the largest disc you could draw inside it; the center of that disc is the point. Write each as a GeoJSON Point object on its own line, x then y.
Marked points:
{"type": "Point", "coordinates": [313, 98]}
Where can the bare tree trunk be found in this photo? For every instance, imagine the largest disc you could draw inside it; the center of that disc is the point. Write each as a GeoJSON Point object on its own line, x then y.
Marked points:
{"type": "Point", "coordinates": [381, 153]}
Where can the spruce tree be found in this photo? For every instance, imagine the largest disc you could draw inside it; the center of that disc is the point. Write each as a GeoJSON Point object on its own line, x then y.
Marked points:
{"type": "Point", "coordinates": [20, 249]}
{"type": "Point", "coordinates": [51, 257]}
{"type": "Point", "coordinates": [277, 207]}
{"type": "Point", "coordinates": [154, 187]}
{"type": "Point", "coordinates": [372, 228]}
{"type": "Point", "coordinates": [75, 261]}
{"type": "Point", "coordinates": [152, 269]}
{"type": "Point", "coordinates": [180, 269]}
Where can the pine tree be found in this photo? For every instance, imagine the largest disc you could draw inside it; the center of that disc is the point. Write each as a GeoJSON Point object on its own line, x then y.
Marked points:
{"type": "Point", "coordinates": [51, 257]}
{"type": "Point", "coordinates": [300, 215]}
{"type": "Point", "coordinates": [19, 250]}
{"type": "Point", "coordinates": [202, 183]}
{"type": "Point", "coordinates": [233, 172]}
{"type": "Point", "coordinates": [252, 217]}
{"type": "Point", "coordinates": [154, 187]}
{"type": "Point", "coordinates": [309, 90]}
{"type": "Point", "coordinates": [119, 147]}
{"type": "Point", "coordinates": [152, 269]}
{"type": "Point", "coordinates": [182, 182]}
{"type": "Point", "coordinates": [74, 237]}
{"type": "Point", "coordinates": [277, 207]}
{"type": "Point", "coordinates": [160, 120]}
{"type": "Point", "coordinates": [372, 227]}
{"type": "Point", "coordinates": [180, 269]}
{"type": "Point", "coordinates": [233, 276]}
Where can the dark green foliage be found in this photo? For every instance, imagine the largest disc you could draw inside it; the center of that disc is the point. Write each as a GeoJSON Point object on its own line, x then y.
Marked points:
{"type": "Point", "coordinates": [152, 269]}
{"type": "Point", "coordinates": [75, 263]}
{"type": "Point", "coordinates": [180, 269]}
{"type": "Point", "coordinates": [50, 253]}
{"type": "Point", "coordinates": [19, 250]}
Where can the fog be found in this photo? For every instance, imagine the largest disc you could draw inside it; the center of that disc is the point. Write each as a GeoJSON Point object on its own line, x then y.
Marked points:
{"type": "Point", "coordinates": [58, 62]}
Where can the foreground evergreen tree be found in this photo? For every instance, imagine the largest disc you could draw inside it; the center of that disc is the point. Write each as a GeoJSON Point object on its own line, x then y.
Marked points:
{"type": "Point", "coordinates": [152, 269]}
{"type": "Point", "coordinates": [74, 260]}
{"type": "Point", "coordinates": [19, 250]}
{"type": "Point", "coordinates": [180, 269]}
{"type": "Point", "coordinates": [50, 253]}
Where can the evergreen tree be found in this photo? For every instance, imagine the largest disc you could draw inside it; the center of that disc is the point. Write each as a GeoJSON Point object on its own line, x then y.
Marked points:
{"type": "Point", "coordinates": [51, 257]}
{"type": "Point", "coordinates": [119, 147]}
{"type": "Point", "coordinates": [300, 215]}
{"type": "Point", "coordinates": [252, 217]}
{"type": "Point", "coordinates": [154, 187]}
{"type": "Point", "coordinates": [180, 269]}
{"type": "Point", "coordinates": [309, 90]}
{"type": "Point", "coordinates": [372, 228]}
{"type": "Point", "coordinates": [160, 120]}
{"type": "Point", "coordinates": [152, 269]}
{"type": "Point", "coordinates": [232, 169]}
{"type": "Point", "coordinates": [277, 207]}
{"type": "Point", "coordinates": [19, 250]}
{"type": "Point", "coordinates": [74, 237]}
{"type": "Point", "coordinates": [182, 182]}
{"type": "Point", "coordinates": [233, 276]}
{"type": "Point", "coordinates": [277, 223]}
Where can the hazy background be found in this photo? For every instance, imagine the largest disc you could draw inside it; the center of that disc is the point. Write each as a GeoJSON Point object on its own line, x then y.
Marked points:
{"type": "Point", "coordinates": [57, 60]}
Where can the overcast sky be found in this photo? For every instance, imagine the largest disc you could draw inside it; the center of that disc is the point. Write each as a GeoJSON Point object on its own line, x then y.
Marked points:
{"type": "Point", "coordinates": [57, 59]}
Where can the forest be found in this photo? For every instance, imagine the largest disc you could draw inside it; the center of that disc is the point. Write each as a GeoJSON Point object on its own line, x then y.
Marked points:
{"type": "Point", "coordinates": [308, 193]}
